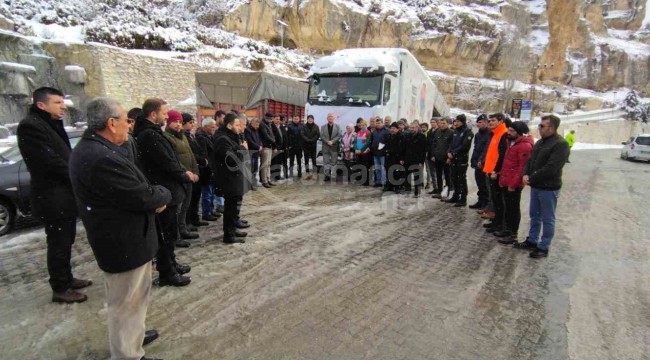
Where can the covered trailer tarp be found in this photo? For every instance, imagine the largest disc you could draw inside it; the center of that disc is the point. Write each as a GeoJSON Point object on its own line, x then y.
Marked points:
{"type": "Point", "coordinates": [248, 89]}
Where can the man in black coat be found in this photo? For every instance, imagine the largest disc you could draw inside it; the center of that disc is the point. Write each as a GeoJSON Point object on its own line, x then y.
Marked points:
{"type": "Point", "coordinates": [252, 136]}
{"type": "Point", "coordinates": [415, 151]}
{"type": "Point", "coordinates": [161, 167]}
{"type": "Point", "coordinates": [294, 145]}
{"type": "Point", "coordinates": [310, 134]}
{"type": "Point", "coordinates": [394, 159]}
{"type": "Point", "coordinates": [205, 141]}
{"type": "Point", "coordinates": [45, 148]}
{"type": "Point", "coordinates": [234, 178]}
{"type": "Point", "coordinates": [438, 154]}
{"type": "Point", "coordinates": [279, 162]}
{"type": "Point", "coordinates": [459, 156]}
{"type": "Point", "coordinates": [202, 160]}
{"type": "Point", "coordinates": [481, 139]}
{"type": "Point", "coordinates": [117, 206]}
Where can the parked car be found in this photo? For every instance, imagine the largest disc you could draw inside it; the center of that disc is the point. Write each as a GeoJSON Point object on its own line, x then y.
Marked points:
{"type": "Point", "coordinates": [637, 148]}
{"type": "Point", "coordinates": [14, 184]}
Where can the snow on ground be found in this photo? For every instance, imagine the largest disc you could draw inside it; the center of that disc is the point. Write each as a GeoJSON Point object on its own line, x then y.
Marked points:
{"type": "Point", "coordinates": [539, 40]}
{"type": "Point", "coordinates": [632, 48]}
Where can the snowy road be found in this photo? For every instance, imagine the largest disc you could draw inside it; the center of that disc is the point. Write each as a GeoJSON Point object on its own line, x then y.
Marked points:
{"type": "Point", "coordinates": [339, 272]}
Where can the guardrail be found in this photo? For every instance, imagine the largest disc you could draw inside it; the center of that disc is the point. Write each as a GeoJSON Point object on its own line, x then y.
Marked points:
{"type": "Point", "coordinates": [598, 115]}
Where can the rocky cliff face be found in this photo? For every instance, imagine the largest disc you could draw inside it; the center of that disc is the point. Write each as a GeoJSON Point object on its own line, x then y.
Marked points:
{"type": "Point", "coordinates": [597, 44]}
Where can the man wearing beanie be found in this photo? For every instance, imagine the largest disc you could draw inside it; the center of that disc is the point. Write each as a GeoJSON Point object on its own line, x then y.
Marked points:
{"type": "Point", "coordinates": [438, 154]}
{"type": "Point", "coordinates": [520, 146]}
{"type": "Point", "coordinates": [161, 167]}
{"type": "Point", "coordinates": [201, 158]}
{"type": "Point", "coordinates": [481, 139]}
{"type": "Point", "coordinates": [459, 156]}
{"type": "Point", "coordinates": [174, 132]}
{"type": "Point", "coordinates": [543, 173]}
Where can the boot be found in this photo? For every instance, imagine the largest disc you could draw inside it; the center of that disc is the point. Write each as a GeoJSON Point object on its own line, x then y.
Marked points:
{"type": "Point", "coordinates": [508, 240]}
{"type": "Point", "coordinates": [174, 280]}
{"type": "Point", "coordinates": [80, 284]}
{"type": "Point", "coordinates": [461, 203]}
{"type": "Point", "coordinates": [149, 337]}
{"type": "Point", "coordinates": [476, 205]}
{"type": "Point", "coordinates": [182, 269]}
{"type": "Point", "coordinates": [417, 191]}
{"type": "Point", "coordinates": [488, 215]}
{"type": "Point", "coordinates": [68, 297]}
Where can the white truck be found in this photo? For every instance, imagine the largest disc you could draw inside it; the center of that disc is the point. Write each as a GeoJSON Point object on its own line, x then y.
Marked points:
{"type": "Point", "coordinates": [367, 82]}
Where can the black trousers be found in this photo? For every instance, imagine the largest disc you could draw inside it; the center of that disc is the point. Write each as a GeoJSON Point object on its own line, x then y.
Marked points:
{"type": "Point", "coordinates": [394, 173]}
{"type": "Point", "coordinates": [442, 168]}
{"type": "Point", "coordinates": [295, 154]}
{"type": "Point", "coordinates": [459, 180]}
{"type": "Point", "coordinates": [310, 154]}
{"type": "Point", "coordinates": [255, 165]}
{"type": "Point", "coordinates": [362, 169]}
{"type": "Point", "coordinates": [60, 236]}
{"type": "Point", "coordinates": [192, 215]}
{"type": "Point", "coordinates": [231, 208]}
{"type": "Point", "coordinates": [167, 237]}
{"type": "Point", "coordinates": [496, 192]}
{"type": "Point", "coordinates": [279, 165]}
{"type": "Point", "coordinates": [512, 200]}
{"type": "Point", "coordinates": [415, 177]}
{"type": "Point", "coordinates": [481, 183]}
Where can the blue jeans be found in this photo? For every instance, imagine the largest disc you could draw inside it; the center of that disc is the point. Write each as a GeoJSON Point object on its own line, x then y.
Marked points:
{"type": "Point", "coordinates": [207, 196]}
{"type": "Point", "coordinates": [542, 212]}
{"type": "Point", "coordinates": [380, 171]}
{"type": "Point", "coordinates": [219, 200]}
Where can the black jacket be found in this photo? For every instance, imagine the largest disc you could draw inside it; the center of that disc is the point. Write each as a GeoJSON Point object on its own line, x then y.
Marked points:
{"type": "Point", "coordinates": [116, 204]}
{"type": "Point", "coordinates": [159, 160]}
{"type": "Point", "coordinates": [294, 135]}
{"type": "Point", "coordinates": [481, 141]}
{"type": "Point", "coordinates": [503, 147]}
{"type": "Point", "coordinates": [200, 157]}
{"type": "Point", "coordinates": [430, 135]}
{"type": "Point", "coordinates": [266, 135]}
{"type": "Point", "coordinates": [394, 147]}
{"type": "Point", "coordinates": [206, 146]}
{"type": "Point", "coordinates": [229, 162]}
{"type": "Point", "coordinates": [252, 137]}
{"type": "Point", "coordinates": [310, 134]}
{"type": "Point", "coordinates": [281, 137]}
{"type": "Point", "coordinates": [460, 145]}
{"type": "Point", "coordinates": [544, 168]}
{"type": "Point", "coordinates": [45, 148]}
{"type": "Point", "coordinates": [415, 149]}
{"type": "Point", "coordinates": [440, 144]}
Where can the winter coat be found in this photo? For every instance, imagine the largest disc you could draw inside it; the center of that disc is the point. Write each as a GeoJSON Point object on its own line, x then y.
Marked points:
{"type": "Point", "coordinates": [496, 149]}
{"type": "Point", "coordinates": [200, 157]}
{"type": "Point", "coordinates": [335, 138]}
{"type": "Point", "coordinates": [430, 135]}
{"type": "Point", "coordinates": [351, 145]}
{"type": "Point", "coordinates": [45, 148]}
{"type": "Point", "coordinates": [266, 135]}
{"type": "Point", "coordinates": [159, 160]}
{"type": "Point", "coordinates": [514, 161]}
{"type": "Point", "coordinates": [252, 137]}
{"type": "Point", "coordinates": [281, 137]}
{"type": "Point", "coordinates": [183, 150]}
{"type": "Point", "coordinates": [116, 204]}
{"type": "Point", "coordinates": [376, 138]}
{"type": "Point", "coordinates": [415, 149]}
{"type": "Point", "coordinates": [229, 162]}
{"type": "Point", "coordinates": [440, 144]}
{"type": "Point", "coordinates": [362, 138]}
{"type": "Point", "coordinates": [481, 139]}
{"type": "Point", "coordinates": [206, 148]}
{"type": "Point", "coordinates": [544, 168]}
{"type": "Point", "coordinates": [395, 148]}
{"type": "Point", "coordinates": [310, 135]}
{"type": "Point", "coordinates": [460, 145]}
{"type": "Point", "coordinates": [294, 136]}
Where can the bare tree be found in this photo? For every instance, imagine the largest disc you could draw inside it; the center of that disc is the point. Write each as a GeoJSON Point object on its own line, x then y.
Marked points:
{"type": "Point", "coordinates": [474, 94]}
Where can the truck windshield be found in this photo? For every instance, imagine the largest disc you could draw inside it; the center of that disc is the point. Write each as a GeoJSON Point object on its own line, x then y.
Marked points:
{"type": "Point", "coordinates": [341, 90]}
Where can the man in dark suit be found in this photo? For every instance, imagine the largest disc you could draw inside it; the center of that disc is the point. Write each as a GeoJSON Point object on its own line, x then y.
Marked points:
{"type": "Point", "coordinates": [45, 147]}
{"type": "Point", "coordinates": [161, 167]}
{"type": "Point", "coordinates": [117, 206]}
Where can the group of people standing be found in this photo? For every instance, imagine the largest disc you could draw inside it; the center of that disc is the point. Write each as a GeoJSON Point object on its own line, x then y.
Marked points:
{"type": "Point", "coordinates": [137, 188]}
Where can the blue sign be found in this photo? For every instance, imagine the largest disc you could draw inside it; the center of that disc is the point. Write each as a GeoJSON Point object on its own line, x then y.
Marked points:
{"type": "Point", "coordinates": [527, 110]}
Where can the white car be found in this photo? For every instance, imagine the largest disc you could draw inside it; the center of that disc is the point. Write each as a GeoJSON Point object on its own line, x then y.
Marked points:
{"type": "Point", "coordinates": [637, 148]}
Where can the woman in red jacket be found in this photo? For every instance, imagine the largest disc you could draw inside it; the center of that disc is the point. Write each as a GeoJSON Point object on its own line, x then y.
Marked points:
{"type": "Point", "coordinates": [520, 146]}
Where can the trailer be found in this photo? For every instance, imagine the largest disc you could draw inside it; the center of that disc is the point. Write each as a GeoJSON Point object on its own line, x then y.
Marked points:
{"type": "Point", "coordinates": [354, 83]}
{"type": "Point", "coordinates": [253, 93]}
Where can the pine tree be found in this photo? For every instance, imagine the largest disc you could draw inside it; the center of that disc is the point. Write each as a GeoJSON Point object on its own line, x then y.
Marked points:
{"type": "Point", "coordinates": [631, 105]}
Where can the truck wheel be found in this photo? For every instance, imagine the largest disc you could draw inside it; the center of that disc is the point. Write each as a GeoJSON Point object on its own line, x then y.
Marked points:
{"type": "Point", "coordinates": [7, 216]}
